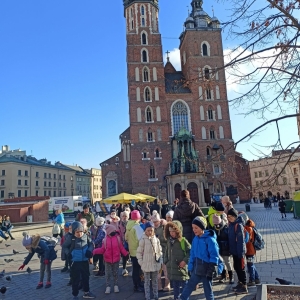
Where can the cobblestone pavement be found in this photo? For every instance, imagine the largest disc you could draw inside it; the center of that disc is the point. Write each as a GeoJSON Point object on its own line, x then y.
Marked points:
{"type": "Point", "coordinates": [280, 258]}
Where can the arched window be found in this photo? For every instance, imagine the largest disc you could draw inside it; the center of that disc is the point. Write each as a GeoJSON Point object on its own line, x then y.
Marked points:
{"type": "Point", "coordinates": [221, 132]}
{"type": "Point", "coordinates": [158, 116]}
{"type": "Point", "coordinates": [149, 115]}
{"type": "Point", "coordinates": [149, 135]}
{"type": "Point", "coordinates": [210, 113]}
{"type": "Point", "coordinates": [156, 153]}
{"type": "Point", "coordinates": [143, 22]}
{"type": "Point", "coordinates": [203, 133]}
{"type": "Point", "coordinates": [204, 50]}
{"type": "Point", "coordinates": [139, 114]}
{"type": "Point", "coordinates": [212, 134]}
{"type": "Point", "coordinates": [132, 25]}
{"type": "Point", "coordinates": [138, 94]}
{"type": "Point", "coordinates": [141, 138]}
{"type": "Point", "coordinates": [219, 112]}
{"type": "Point", "coordinates": [146, 75]}
{"type": "Point", "coordinates": [144, 56]}
{"type": "Point", "coordinates": [147, 95]}
{"type": "Point", "coordinates": [208, 151]}
{"type": "Point", "coordinates": [208, 94]}
{"type": "Point", "coordinates": [137, 74]}
{"type": "Point", "coordinates": [152, 171]}
{"type": "Point", "coordinates": [159, 134]}
{"type": "Point", "coordinates": [202, 113]}
{"type": "Point", "coordinates": [154, 74]}
{"type": "Point", "coordinates": [142, 10]}
{"type": "Point", "coordinates": [144, 39]}
{"type": "Point", "coordinates": [217, 169]}
{"type": "Point", "coordinates": [145, 153]}
{"type": "Point", "coordinates": [206, 73]}
{"type": "Point", "coordinates": [180, 116]}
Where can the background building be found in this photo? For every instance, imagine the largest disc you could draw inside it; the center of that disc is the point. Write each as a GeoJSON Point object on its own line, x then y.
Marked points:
{"type": "Point", "coordinates": [276, 174]}
{"type": "Point", "coordinates": [25, 176]}
{"type": "Point", "coordinates": [96, 184]}
{"type": "Point", "coordinates": [180, 134]}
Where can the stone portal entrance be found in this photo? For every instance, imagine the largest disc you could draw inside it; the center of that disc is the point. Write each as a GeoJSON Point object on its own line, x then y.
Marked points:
{"type": "Point", "coordinates": [193, 189]}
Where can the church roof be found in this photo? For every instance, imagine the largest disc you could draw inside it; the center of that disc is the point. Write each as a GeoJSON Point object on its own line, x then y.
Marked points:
{"type": "Point", "coordinates": [175, 83]}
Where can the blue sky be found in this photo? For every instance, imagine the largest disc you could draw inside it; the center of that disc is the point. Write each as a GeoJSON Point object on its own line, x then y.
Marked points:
{"type": "Point", "coordinates": [63, 80]}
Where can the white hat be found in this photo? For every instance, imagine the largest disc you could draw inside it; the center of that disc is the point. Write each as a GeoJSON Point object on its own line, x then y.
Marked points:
{"type": "Point", "coordinates": [100, 221]}
{"type": "Point", "coordinates": [170, 213]}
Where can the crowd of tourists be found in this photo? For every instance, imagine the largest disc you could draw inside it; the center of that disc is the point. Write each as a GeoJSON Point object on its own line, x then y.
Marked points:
{"type": "Point", "coordinates": [175, 247]}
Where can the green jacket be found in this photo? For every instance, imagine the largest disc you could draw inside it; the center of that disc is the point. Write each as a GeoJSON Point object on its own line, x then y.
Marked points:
{"type": "Point", "coordinates": [89, 218]}
{"type": "Point", "coordinates": [176, 253]}
{"type": "Point", "coordinates": [134, 233]}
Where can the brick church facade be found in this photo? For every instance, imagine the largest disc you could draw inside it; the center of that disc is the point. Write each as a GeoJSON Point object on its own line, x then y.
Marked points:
{"type": "Point", "coordinates": [179, 135]}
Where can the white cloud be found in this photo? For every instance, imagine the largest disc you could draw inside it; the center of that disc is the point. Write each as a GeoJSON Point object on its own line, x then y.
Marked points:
{"type": "Point", "coordinates": [174, 58]}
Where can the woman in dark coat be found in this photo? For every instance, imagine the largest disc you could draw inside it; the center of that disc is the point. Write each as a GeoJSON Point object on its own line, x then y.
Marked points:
{"type": "Point", "coordinates": [186, 212]}
{"type": "Point", "coordinates": [282, 206]}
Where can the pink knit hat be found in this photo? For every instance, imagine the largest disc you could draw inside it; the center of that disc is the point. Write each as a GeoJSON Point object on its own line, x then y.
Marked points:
{"type": "Point", "coordinates": [109, 229]}
{"type": "Point", "coordinates": [155, 216]}
{"type": "Point", "coordinates": [216, 219]}
{"type": "Point", "coordinates": [135, 215]}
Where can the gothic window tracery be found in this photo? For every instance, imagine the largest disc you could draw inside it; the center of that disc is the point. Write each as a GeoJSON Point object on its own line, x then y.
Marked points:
{"type": "Point", "coordinates": [180, 116]}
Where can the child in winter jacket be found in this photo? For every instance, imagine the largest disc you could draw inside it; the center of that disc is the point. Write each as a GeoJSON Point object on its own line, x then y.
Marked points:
{"type": "Point", "coordinates": [237, 248]}
{"type": "Point", "coordinates": [97, 240]}
{"type": "Point", "coordinates": [46, 253]}
{"type": "Point", "coordinates": [250, 255]}
{"type": "Point", "coordinates": [111, 250]}
{"type": "Point", "coordinates": [204, 257]}
{"type": "Point", "coordinates": [79, 247]}
{"type": "Point", "coordinates": [122, 229]}
{"type": "Point", "coordinates": [176, 256]}
{"type": "Point", "coordinates": [221, 230]}
{"type": "Point", "coordinates": [159, 228]}
{"type": "Point", "coordinates": [63, 256]}
{"type": "Point", "coordinates": [149, 257]}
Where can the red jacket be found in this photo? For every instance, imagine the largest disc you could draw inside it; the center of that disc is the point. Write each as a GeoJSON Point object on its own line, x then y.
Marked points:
{"type": "Point", "coordinates": [112, 248]}
{"type": "Point", "coordinates": [250, 247]}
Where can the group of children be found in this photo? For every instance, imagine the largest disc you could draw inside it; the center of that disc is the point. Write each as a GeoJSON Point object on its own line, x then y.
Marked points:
{"type": "Point", "coordinates": [154, 246]}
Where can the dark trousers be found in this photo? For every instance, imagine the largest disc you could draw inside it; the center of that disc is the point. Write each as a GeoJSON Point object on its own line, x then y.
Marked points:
{"type": "Point", "coordinates": [80, 272]}
{"type": "Point", "coordinates": [239, 267]}
{"type": "Point", "coordinates": [99, 258]}
{"type": "Point", "coordinates": [124, 261]}
{"type": "Point", "coordinates": [178, 286]}
{"type": "Point", "coordinates": [136, 269]}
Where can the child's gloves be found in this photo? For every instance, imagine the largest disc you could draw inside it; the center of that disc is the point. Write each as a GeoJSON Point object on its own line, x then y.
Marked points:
{"type": "Point", "coordinates": [88, 254]}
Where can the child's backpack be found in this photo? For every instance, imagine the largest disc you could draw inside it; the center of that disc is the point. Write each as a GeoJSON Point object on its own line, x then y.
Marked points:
{"type": "Point", "coordinates": [246, 233]}
{"type": "Point", "coordinates": [258, 242]}
{"type": "Point", "coordinates": [49, 240]}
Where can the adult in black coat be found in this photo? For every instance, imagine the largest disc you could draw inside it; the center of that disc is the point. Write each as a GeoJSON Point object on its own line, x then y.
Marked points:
{"type": "Point", "coordinates": [155, 206]}
{"type": "Point", "coordinates": [165, 208]}
{"type": "Point", "coordinates": [186, 212]}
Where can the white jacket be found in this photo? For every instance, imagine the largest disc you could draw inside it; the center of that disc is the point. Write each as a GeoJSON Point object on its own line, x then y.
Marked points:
{"type": "Point", "coordinates": [146, 256]}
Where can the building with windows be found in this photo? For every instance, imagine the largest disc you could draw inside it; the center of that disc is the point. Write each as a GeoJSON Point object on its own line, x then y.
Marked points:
{"type": "Point", "coordinates": [96, 184]}
{"type": "Point", "coordinates": [279, 173]}
{"type": "Point", "coordinates": [179, 136]}
{"type": "Point", "coordinates": [82, 181]}
{"type": "Point", "coordinates": [26, 176]}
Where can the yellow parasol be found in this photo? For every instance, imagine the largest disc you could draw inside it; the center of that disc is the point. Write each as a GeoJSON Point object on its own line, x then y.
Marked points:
{"type": "Point", "coordinates": [146, 197]}
{"type": "Point", "coordinates": [123, 198]}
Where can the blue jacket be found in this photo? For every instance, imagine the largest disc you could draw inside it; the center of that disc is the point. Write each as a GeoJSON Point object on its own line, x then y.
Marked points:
{"type": "Point", "coordinates": [43, 250]}
{"type": "Point", "coordinates": [204, 247]}
{"type": "Point", "coordinates": [237, 245]}
{"type": "Point", "coordinates": [80, 247]}
{"type": "Point", "coordinates": [100, 235]}
{"type": "Point", "coordinates": [60, 219]}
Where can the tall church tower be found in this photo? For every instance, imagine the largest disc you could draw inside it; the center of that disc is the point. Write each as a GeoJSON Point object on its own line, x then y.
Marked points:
{"type": "Point", "coordinates": [146, 91]}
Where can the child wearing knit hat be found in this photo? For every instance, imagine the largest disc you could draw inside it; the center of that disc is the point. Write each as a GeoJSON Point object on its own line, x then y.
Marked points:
{"type": "Point", "coordinates": [237, 248]}
{"type": "Point", "coordinates": [149, 257]}
{"type": "Point", "coordinates": [203, 259]}
{"type": "Point", "coordinates": [46, 253]}
{"type": "Point", "coordinates": [97, 239]}
{"type": "Point", "coordinates": [111, 250]}
{"type": "Point", "coordinates": [169, 216]}
{"type": "Point", "coordinates": [221, 230]}
{"type": "Point", "coordinates": [122, 229]}
{"type": "Point", "coordinates": [63, 256]}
